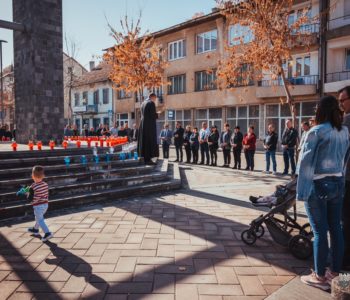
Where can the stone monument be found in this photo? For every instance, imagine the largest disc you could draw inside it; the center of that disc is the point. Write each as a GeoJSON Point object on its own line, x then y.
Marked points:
{"type": "Point", "coordinates": [38, 68]}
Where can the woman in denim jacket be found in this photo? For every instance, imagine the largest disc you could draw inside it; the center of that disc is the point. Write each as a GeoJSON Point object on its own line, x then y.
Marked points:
{"type": "Point", "coordinates": [321, 186]}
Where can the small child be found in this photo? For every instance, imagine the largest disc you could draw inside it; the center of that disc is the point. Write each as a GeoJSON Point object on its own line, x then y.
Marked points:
{"type": "Point", "coordinates": [39, 197]}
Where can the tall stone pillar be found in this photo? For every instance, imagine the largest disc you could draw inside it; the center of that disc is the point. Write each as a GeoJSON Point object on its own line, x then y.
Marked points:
{"type": "Point", "coordinates": [38, 68]}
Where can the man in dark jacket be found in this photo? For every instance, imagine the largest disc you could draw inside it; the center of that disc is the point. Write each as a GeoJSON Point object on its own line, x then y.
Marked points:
{"type": "Point", "coordinates": [225, 143]}
{"type": "Point", "coordinates": [236, 141]}
{"type": "Point", "coordinates": [178, 141]}
{"type": "Point", "coordinates": [134, 133]}
{"type": "Point", "coordinates": [344, 99]}
{"type": "Point", "coordinates": [270, 145]}
{"type": "Point", "coordinates": [289, 141]}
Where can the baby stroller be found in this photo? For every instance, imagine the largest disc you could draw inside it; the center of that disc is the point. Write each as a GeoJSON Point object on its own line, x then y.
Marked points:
{"type": "Point", "coordinates": [282, 230]}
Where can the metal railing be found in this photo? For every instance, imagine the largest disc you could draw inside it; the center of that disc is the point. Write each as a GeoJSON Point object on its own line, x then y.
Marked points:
{"type": "Point", "coordinates": [300, 80]}
{"type": "Point", "coordinates": [92, 108]}
{"type": "Point", "coordinates": [309, 28]}
{"type": "Point", "coordinates": [338, 22]}
{"type": "Point", "coordinates": [338, 76]}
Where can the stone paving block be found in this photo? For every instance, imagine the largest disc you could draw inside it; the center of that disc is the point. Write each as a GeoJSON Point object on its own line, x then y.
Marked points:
{"type": "Point", "coordinates": [72, 238]}
{"type": "Point", "coordinates": [139, 253]}
{"type": "Point", "coordinates": [110, 277]}
{"type": "Point", "coordinates": [96, 250]}
{"type": "Point", "coordinates": [152, 297]}
{"type": "Point", "coordinates": [226, 275]}
{"type": "Point", "coordinates": [166, 250]}
{"type": "Point", "coordinates": [86, 268]}
{"type": "Point", "coordinates": [149, 244]}
{"type": "Point", "coordinates": [203, 266]}
{"type": "Point", "coordinates": [84, 243]}
{"type": "Point", "coordinates": [126, 265]}
{"type": "Point", "coordinates": [270, 289]}
{"type": "Point", "coordinates": [186, 291]}
{"type": "Point", "coordinates": [180, 278]}
{"type": "Point", "coordinates": [164, 284]}
{"type": "Point", "coordinates": [215, 289]}
{"type": "Point", "coordinates": [41, 287]}
{"type": "Point", "coordinates": [74, 285]}
{"type": "Point", "coordinates": [110, 257]}
{"type": "Point", "coordinates": [130, 287]}
{"type": "Point", "coordinates": [274, 280]}
{"type": "Point", "coordinates": [144, 273]}
{"type": "Point", "coordinates": [28, 276]}
{"type": "Point", "coordinates": [20, 296]}
{"type": "Point", "coordinates": [155, 260]}
{"type": "Point", "coordinates": [254, 271]}
{"type": "Point", "coordinates": [123, 246]}
{"type": "Point", "coordinates": [8, 287]}
{"type": "Point", "coordinates": [251, 285]}
{"type": "Point", "coordinates": [98, 224]}
{"type": "Point", "coordinates": [3, 275]}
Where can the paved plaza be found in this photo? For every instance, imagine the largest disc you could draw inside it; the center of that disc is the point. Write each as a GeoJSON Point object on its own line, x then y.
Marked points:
{"type": "Point", "coordinates": [183, 245]}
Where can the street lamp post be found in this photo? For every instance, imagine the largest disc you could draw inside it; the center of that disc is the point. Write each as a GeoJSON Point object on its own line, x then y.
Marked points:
{"type": "Point", "coordinates": [1, 83]}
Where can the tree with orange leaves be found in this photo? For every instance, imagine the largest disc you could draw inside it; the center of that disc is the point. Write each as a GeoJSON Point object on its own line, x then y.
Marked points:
{"type": "Point", "coordinates": [135, 58]}
{"type": "Point", "coordinates": [270, 42]}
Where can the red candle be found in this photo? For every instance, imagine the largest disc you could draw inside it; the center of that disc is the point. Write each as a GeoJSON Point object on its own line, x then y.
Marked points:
{"type": "Point", "coordinates": [96, 144]}
{"type": "Point", "coordinates": [78, 144]}
{"type": "Point", "coordinates": [52, 145]}
{"type": "Point", "coordinates": [14, 146]}
{"type": "Point", "coordinates": [101, 142]}
{"type": "Point", "coordinates": [30, 145]}
{"type": "Point", "coordinates": [65, 144]}
{"type": "Point", "coordinates": [39, 145]}
{"type": "Point", "coordinates": [89, 142]}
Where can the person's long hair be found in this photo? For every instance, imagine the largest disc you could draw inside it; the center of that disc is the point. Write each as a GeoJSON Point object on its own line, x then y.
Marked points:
{"type": "Point", "coordinates": [328, 110]}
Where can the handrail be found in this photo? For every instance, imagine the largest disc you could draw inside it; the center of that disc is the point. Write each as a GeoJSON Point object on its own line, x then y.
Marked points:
{"type": "Point", "coordinates": [299, 80]}
{"type": "Point", "coordinates": [338, 76]}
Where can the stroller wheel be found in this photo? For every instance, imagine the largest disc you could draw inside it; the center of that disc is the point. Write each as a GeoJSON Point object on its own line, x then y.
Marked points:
{"type": "Point", "coordinates": [306, 230]}
{"type": "Point", "coordinates": [300, 246]}
{"type": "Point", "coordinates": [248, 237]}
{"type": "Point", "coordinates": [259, 231]}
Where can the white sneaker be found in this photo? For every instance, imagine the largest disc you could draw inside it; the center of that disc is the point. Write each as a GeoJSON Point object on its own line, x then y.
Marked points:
{"type": "Point", "coordinates": [316, 281]}
{"type": "Point", "coordinates": [274, 173]}
{"type": "Point", "coordinates": [47, 236]}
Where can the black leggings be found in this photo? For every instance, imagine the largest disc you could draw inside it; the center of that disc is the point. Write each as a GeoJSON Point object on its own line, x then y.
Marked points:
{"type": "Point", "coordinates": [237, 156]}
{"type": "Point", "coordinates": [213, 155]}
{"type": "Point", "coordinates": [227, 156]}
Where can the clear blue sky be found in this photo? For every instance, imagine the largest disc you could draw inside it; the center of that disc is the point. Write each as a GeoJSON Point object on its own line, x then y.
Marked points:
{"type": "Point", "coordinates": [85, 20]}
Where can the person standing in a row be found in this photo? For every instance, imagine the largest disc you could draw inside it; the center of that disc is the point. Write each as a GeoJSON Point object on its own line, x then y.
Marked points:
{"type": "Point", "coordinates": [165, 138]}
{"type": "Point", "coordinates": [178, 141]}
{"type": "Point", "coordinates": [213, 141]}
{"type": "Point", "coordinates": [225, 142]}
{"type": "Point", "coordinates": [134, 133]}
{"type": "Point", "coordinates": [194, 141]}
{"type": "Point", "coordinates": [270, 146]}
{"type": "Point", "coordinates": [203, 142]}
{"type": "Point", "coordinates": [236, 141]}
{"type": "Point", "coordinates": [249, 145]}
{"type": "Point", "coordinates": [289, 141]}
{"type": "Point", "coordinates": [187, 144]}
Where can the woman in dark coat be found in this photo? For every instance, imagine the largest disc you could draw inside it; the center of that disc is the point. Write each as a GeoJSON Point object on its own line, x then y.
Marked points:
{"type": "Point", "coordinates": [147, 142]}
{"type": "Point", "coordinates": [213, 141]}
{"type": "Point", "coordinates": [187, 144]}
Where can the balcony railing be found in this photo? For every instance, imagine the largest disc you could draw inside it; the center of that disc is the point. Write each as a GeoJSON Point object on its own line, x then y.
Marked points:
{"type": "Point", "coordinates": [300, 80]}
{"type": "Point", "coordinates": [309, 28]}
{"type": "Point", "coordinates": [339, 22]}
{"type": "Point", "coordinates": [92, 108]}
{"type": "Point", "coordinates": [338, 76]}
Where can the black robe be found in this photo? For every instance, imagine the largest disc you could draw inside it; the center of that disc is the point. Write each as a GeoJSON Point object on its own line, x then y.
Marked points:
{"type": "Point", "coordinates": [147, 139]}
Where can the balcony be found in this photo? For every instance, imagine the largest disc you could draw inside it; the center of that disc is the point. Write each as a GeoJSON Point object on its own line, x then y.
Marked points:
{"type": "Point", "coordinates": [338, 22]}
{"type": "Point", "coordinates": [85, 109]}
{"type": "Point", "coordinates": [302, 85]}
{"type": "Point", "coordinates": [309, 28]}
{"type": "Point", "coordinates": [336, 81]}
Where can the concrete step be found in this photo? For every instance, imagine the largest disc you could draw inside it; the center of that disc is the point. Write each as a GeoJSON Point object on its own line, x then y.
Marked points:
{"type": "Point", "coordinates": [69, 176]}
{"type": "Point", "coordinates": [24, 172]}
{"type": "Point", "coordinates": [87, 187]}
{"type": "Point", "coordinates": [94, 197]}
{"type": "Point", "coordinates": [51, 153]}
{"type": "Point", "coordinates": [51, 160]}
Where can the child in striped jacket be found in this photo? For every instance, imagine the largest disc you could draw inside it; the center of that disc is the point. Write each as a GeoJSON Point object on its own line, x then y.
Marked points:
{"type": "Point", "coordinates": [39, 196]}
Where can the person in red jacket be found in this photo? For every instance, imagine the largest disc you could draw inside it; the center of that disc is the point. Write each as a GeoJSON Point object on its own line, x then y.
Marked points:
{"type": "Point", "coordinates": [249, 146]}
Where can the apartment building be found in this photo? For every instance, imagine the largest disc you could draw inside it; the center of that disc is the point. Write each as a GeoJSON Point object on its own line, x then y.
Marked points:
{"type": "Point", "coordinates": [92, 97]}
{"type": "Point", "coordinates": [194, 46]}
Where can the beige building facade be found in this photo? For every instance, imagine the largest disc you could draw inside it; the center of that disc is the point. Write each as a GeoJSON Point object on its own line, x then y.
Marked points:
{"type": "Point", "coordinates": [194, 47]}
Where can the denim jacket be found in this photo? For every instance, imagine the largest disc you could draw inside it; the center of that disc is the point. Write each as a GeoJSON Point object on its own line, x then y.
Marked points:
{"type": "Point", "coordinates": [323, 152]}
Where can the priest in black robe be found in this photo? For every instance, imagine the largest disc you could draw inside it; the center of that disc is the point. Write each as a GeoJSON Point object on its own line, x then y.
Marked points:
{"type": "Point", "coordinates": [147, 141]}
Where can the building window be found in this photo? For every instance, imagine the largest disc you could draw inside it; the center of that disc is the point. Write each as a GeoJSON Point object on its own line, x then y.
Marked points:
{"type": "Point", "coordinates": [76, 99]}
{"type": "Point", "coordinates": [122, 94]}
{"type": "Point", "coordinates": [347, 59]}
{"type": "Point", "coordinates": [205, 80]}
{"type": "Point", "coordinates": [105, 96]}
{"type": "Point", "coordinates": [106, 121]}
{"type": "Point", "coordinates": [239, 34]}
{"type": "Point", "coordinates": [177, 84]}
{"type": "Point", "coordinates": [244, 116]}
{"type": "Point", "coordinates": [85, 98]}
{"type": "Point", "coordinates": [307, 66]}
{"type": "Point", "coordinates": [177, 49]}
{"type": "Point", "coordinates": [123, 119]}
{"type": "Point", "coordinates": [96, 97]}
{"type": "Point", "coordinates": [298, 66]}
{"type": "Point", "coordinates": [207, 41]}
